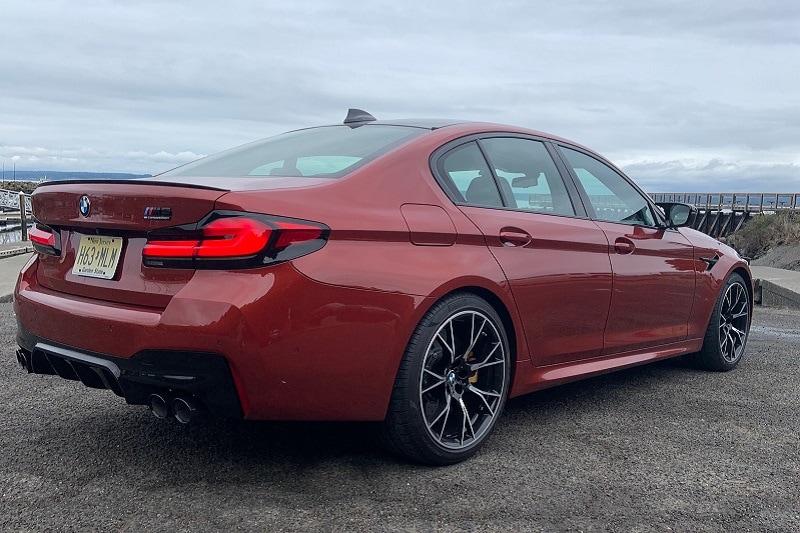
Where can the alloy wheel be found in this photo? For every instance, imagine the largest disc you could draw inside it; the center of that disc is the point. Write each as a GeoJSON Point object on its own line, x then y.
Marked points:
{"type": "Point", "coordinates": [463, 380]}
{"type": "Point", "coordinates": [734, 316]}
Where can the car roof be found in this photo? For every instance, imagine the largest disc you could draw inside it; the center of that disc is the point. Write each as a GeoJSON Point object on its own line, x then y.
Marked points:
{"type": "Point", "coordinates": [362, 118]}
{"type": "Point", "coordinates": [425, 123]}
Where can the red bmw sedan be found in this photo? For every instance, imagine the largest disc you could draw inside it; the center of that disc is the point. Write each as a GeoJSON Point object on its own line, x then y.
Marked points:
{"type": "Point", "coordinates": [412, 272]}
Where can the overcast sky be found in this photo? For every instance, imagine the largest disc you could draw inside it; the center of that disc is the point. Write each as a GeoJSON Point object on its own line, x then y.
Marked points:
{"type": "Point", "coordinates": [683, 95]}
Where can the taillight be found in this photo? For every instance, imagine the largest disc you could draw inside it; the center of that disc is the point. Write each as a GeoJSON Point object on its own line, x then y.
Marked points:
{"type": "Point", "coordinates": [45, 239]}
{"type": "Point", "coordinates": [233, 237]}
{"type": "Point", "coordinates": [226, 239]}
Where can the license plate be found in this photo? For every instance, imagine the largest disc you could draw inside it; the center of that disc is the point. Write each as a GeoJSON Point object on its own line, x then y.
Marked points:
{"type": "Point", "coordinates": [97, 257]}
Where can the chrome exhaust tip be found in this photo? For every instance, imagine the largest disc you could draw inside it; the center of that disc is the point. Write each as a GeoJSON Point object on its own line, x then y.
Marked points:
{"type": "Point", "coordinates": [186, 410]}
{"type": "Point", "coordinates": [160, 405]}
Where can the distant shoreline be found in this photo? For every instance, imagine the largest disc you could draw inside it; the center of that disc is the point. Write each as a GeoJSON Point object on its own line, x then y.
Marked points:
{"type": "Point", "coordinates": [39, 175]}
{"type": "Point", "coordinates": [27, 180]}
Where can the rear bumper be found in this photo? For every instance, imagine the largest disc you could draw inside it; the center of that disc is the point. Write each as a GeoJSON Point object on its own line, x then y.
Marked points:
{"type": "Point", "coordinates": [203, 376]}
{"type": "Point", "coordinates": [287, 347]}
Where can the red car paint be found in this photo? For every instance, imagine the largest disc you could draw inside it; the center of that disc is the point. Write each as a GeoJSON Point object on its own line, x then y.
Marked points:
{"type": "Point", "coordinates": [321, 336]}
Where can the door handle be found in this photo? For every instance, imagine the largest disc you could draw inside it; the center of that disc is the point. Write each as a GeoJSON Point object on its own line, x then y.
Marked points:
{"type": "Point", "coordinates": [514, 237]}
{"type": "Point", "coordinates": [624, 246]}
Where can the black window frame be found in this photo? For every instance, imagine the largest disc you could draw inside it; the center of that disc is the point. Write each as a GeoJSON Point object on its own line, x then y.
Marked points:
{"type": "Point", "coordinates": [436, 166]}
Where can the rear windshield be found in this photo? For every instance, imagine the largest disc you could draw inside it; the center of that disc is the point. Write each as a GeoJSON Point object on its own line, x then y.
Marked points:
{"type": "Point", "coordinates": [329, 151]}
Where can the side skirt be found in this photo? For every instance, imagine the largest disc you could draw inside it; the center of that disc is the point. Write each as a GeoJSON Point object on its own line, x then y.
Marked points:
{"type": "Point", "coordinates": [529, 378]}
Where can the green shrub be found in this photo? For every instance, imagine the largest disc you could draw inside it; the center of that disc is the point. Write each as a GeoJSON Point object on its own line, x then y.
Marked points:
{"type": "Point", "coordinates": [762, 233]}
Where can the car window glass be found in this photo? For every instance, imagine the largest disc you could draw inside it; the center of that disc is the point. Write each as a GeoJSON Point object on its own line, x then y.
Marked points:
{"type": "Point", "coordinates": [306, 166]}
{"type": "Point", "coordinates": [528, 175]}
{"type": "Point", "coordinates": [328, 151]}
{"type": "Point", "coordinates": [468, 176]}
{"type": "Point", "coordinates": [612, 197]}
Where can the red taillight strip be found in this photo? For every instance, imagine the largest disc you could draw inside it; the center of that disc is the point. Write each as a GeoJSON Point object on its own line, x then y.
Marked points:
{"type": "Point", "coordinates": [45, 239]}
{"type": "Point", "coordinates": [231, 239]}
{"type": "Point", "coordinates": [42, 237]}
{"type": "Point", "coordinates": [171, 249]}
{"type": "Point", "coordinates": [223, 238]}
{"type": "Point", "coordinates": [292, 233]}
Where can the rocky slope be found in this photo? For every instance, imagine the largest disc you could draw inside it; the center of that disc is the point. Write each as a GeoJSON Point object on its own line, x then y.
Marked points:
{"type": "Point", "coordinates": [784, 256]}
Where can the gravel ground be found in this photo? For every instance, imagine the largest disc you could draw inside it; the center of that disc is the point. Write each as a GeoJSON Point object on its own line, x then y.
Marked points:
{"type": "Point", "coordinates": [656, 448]}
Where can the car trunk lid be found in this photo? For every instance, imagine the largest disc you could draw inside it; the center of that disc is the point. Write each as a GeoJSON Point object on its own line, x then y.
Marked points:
{"type": "Point", "coordinates": [121, 211]}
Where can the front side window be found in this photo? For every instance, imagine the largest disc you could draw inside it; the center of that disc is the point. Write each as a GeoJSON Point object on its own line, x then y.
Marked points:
{"type": "Point", "coordinates": [329, 151]}
{"type": "Point", "coordinates": [610, 195]}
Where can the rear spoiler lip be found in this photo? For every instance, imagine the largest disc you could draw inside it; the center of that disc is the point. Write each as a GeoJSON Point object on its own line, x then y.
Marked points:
{"type": "Point", "coordinates": [139, 181]}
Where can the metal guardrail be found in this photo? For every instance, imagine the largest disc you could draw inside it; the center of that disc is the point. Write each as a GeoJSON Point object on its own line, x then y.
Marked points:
{"type": "Point", "coordinates": [721, 214]}
{"type": "Point", "coordinates": [10, 200]}
{"type": "Point", "coordinates": [753, 202]}
{"type": "Point", "coordinates": [20, 202]}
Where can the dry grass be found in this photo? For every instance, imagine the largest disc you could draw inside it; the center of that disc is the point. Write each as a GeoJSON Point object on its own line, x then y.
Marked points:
{"type": "Point", "coordinates": [765, 232]}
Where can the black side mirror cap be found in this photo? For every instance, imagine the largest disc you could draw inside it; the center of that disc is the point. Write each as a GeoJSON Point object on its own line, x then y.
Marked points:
{"type": "Point", "coordinates": [678, 214]}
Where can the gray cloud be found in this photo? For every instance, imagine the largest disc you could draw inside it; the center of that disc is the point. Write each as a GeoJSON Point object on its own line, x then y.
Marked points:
{"type": "Point", "coordinates": [666, 89]}
{"type": "Point", "coordinates": [714, 175]}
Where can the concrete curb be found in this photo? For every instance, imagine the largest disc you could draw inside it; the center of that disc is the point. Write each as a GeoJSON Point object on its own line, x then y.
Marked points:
{"type": "Point", "coordinates": [16, 251]}
{"type": "Point", "coordinates": [776, 287]}
{"type": "Point", "coordinates": [771, 294]}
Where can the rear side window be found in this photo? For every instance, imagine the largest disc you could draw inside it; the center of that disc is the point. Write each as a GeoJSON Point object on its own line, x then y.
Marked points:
{"type": "Point", "coordinates": [468, 177]}
{"type": "Point", "coordinates": [528, 175]}
{"type": "Point", "coordinates": [331, 151]}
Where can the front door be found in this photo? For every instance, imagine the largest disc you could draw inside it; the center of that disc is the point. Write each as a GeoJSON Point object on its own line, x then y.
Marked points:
{"type": "Point", "coordinates": [654, 268]}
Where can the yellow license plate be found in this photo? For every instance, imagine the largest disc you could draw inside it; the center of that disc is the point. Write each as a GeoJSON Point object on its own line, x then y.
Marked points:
{"type": "Point", "coordinates": [98, 257]}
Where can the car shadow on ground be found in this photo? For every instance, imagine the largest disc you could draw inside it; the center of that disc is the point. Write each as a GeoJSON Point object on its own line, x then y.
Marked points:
{"type": "Point", "coordinates": [114, 435]}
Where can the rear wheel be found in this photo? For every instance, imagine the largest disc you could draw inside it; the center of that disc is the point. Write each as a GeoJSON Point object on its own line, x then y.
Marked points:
{"type": "Point", "coordinates": [726, 335]}
{"type": "Point", "coordinates": [452, 383]}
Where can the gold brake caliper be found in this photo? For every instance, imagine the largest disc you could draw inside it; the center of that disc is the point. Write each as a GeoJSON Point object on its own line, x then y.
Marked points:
{"type": "Point", "coordinates": [473, 378]}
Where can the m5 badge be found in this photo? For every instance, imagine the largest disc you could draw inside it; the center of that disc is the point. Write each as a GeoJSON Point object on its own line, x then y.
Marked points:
{"type": "Point", "coordinates": [157, 213]}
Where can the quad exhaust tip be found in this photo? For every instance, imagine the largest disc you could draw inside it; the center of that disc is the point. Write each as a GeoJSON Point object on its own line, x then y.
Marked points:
{"type": "Point", "coordinates": [159, 405]}
{"type": "Point", "coordinates": [184, 409]}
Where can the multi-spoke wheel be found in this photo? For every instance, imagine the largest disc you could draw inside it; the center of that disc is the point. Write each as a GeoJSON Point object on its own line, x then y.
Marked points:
{"type": "Point", "coordinates": [452, 383]}
{"type": "Point", "coordinates": [727, 331]}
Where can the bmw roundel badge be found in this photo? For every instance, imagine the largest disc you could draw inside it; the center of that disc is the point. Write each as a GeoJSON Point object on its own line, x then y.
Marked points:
{"type": "Point", "coordinates": [84, 206]}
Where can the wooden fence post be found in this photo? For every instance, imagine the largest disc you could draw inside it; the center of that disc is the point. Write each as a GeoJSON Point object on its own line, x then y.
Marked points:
{"type": "Point", "coordinates": [23, 216]}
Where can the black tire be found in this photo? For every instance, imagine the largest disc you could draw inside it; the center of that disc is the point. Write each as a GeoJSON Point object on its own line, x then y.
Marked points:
{"type": "Point", "coordinates": [726, 336]}
{"type": "Point", "coordinates": [452, 383]}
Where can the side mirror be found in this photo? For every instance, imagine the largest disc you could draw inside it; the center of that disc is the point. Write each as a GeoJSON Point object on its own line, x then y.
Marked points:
{"type": "Point", "coordinates": [525, 181]}
{"type": "Point", "coordinates": [678, 215]}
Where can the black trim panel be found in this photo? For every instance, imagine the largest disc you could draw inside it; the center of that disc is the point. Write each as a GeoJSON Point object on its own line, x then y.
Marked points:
{"type": "Point", "coordinates": [205, 376]}
{"type": "Point", "coordinates": [134, 181]}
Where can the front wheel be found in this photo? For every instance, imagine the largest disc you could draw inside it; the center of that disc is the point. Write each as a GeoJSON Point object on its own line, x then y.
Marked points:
{"type": "Point", "coordinates": [727, 331]}
{"type": "Point", "coordinates": [452, 383]}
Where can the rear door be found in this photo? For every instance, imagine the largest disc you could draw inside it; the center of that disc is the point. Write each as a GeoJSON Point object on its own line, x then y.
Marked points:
{"type": "Point", "coordinates": [555, 261]}
{"type": "Point", "coordinates": [654, 267]}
